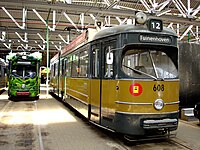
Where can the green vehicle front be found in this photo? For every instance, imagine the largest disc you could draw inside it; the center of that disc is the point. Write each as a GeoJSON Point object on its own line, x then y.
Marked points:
{"type": "Point", "coordinates": [24, 79]}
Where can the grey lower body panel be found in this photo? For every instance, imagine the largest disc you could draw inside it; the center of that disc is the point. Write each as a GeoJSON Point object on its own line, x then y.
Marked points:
{"type": "Point", "coordinates": [141, 124]}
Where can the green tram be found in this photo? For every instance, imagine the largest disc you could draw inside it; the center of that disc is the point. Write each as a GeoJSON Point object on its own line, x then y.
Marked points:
{"type": "Point", "coordinates": [23, 75]}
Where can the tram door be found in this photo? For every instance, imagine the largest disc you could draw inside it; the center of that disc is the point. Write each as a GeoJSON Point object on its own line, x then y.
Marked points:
{"type": "Point", "coordinates": [95, 85]}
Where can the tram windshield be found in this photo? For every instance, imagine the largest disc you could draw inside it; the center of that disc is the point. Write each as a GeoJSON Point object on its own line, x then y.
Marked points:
{"type": "Point", "coordinates": [24, 71]}
{"type": "Point", "coordinates": [145, 63]}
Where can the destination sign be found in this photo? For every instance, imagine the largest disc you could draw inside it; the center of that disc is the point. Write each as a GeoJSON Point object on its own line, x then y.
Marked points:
{"type": "Point", "coordinates": [24, 62]}
{"type": "Point", "coordinates": [155, 39]}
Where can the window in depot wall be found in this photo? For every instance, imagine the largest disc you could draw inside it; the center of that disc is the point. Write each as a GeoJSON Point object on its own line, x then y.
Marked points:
{"type": "Point", "coordinates": [83, 64]}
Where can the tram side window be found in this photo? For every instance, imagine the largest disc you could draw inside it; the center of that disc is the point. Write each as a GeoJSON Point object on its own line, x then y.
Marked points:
{"type": "Point", "coordinates": [68, 66]}
{"type": "Point", "coordinates": [83, 64]}
{"type": "Point", "coordinates": [56, 69]}
{"type": "Point", "coordinates": [75, 69]}
{"type": "Point", "coordinates": [51, 70]}
{"type": "Point", "coordinates": [5, 71]}
{"type": "Point", "coordinates": [1, 71]}
{"type": "Point", "coordinates": [95, 61]}
{"type": "Point", "coordinates": [62, 67]}
{"type": "Point", "coordinates": [108, 71]}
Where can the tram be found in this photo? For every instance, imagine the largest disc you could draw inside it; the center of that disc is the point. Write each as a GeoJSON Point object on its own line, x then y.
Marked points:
{"type": "Point", "coordinates": [124, 79]}
{"type": "Point", "coordinates": [23, 79]}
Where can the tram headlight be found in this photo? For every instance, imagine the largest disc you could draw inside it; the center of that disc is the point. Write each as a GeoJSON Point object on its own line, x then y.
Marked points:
{"type": "Point", "coordinates": [141, 17]}
{"type": "Point", "coordinates": [23, 86]}
{"type": "Point", "coordinates": [23, 57]}
{"type": "Point", "coordinates": [158, 104]}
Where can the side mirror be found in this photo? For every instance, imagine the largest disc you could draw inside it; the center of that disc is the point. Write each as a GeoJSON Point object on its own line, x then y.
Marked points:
{"type": "Point", "coordinates": [109, 58]}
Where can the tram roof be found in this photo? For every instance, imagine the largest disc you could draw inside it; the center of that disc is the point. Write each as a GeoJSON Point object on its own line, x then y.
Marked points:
{"type": "Point", "coordinates": [24, 55]}
{"type": "Point", "coordinates": [130, 28]}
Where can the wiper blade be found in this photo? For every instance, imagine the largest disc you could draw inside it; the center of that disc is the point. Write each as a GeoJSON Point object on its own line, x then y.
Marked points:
{"type": "Point", "coordinates": [140, 72]}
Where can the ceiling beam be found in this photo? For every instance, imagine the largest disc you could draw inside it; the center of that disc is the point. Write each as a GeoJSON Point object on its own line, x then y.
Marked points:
{"type": "Point", "coordinates": [92, 10]}
{"type": "Point", "coordinates": [67, 7]}
{"type": "Point", "coordinates": [13, 19]}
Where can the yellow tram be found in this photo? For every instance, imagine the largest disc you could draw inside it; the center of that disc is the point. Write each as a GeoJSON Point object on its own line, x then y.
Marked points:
{"type": "Point", "coordinates": [124, 79]}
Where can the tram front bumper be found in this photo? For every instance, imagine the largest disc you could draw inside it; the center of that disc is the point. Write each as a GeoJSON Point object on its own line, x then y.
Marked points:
{"type": "Point", "coordinates": [23, 93]}
{"type": "Point", "coordinates": [140, 124]}
{"type": "Point", "coordinates": [157, 124]}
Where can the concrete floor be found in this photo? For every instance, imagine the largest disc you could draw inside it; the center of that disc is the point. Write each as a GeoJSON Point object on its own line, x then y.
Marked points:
{"type": "Point", "coordinates": [52, 126]}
